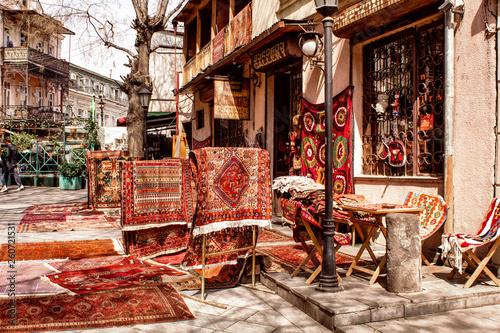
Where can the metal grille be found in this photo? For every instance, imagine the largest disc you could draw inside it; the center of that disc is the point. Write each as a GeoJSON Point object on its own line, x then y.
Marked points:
{"type": "Point", "coordinates": [404, 73]}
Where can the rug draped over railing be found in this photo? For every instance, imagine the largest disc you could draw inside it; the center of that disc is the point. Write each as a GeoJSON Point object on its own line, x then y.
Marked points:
{"type": "Point", "coordinates": [234, 195]}
{"type": "Point", "coordinates": [104, 169]}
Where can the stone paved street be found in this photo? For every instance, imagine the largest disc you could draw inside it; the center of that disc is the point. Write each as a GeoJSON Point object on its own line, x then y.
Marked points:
{"type": "Point", "coordinates": [291, 310]}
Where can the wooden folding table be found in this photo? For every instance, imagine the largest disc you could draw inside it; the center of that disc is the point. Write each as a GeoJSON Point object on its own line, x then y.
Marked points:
{"type": "Point", "coordinates": [378, 211]}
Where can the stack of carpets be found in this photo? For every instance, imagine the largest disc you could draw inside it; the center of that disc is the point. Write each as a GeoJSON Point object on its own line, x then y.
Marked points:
{"type": "Point", "coordinates": [234, 196]}
{"type": "Point", "coordinates": [158, 202]}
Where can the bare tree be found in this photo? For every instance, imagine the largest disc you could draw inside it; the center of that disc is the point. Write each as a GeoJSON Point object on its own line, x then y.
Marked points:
{"type": "Point", "coordinates": [145, 25]}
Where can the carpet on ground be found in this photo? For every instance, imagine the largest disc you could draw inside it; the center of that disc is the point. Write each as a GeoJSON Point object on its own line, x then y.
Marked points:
{"type": "Point", "coordinates": [144, 304]}
{"type": "Point", "coordinates": [234, 195]}
{"type": "Point", "coordinates": [286, 258]}
{"type": "Point", "coordinates": [156, 194]}
{"type": "Point", "coordinates": [56, 208]}
{"type": "Point", "coordinates": [63, 250]}
{"type": "Point", "coordinates": [85, 263]}
{"type": "Point", "coordinates": [71, 223]}
{"type": "Point", "coordinates": [272, 236]}
{"type": "Point", "coordinates": [129, 271]}
{"type": "Point", "coordinates": [25, 279]}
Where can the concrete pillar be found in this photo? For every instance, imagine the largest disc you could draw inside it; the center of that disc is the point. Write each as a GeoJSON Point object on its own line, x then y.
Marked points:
{"type": "Point", "coordinates": [404, 264]}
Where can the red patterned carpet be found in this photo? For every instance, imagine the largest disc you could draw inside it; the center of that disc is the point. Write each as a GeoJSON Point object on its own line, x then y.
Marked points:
{"type": "Point", "coordinates": [145, 304]}
{"type": "Point", "coordinates": [285, 258]}
{"type": "Point", "coordinates": [272, 236]}
{"type": "Point", "coordinates": [69, 223]}
{"type": "Point", "coordinates": [56, 208]}
{"type": "Point", "coordinates": [63, 250]}
{"type": "Point", "coordinates": [124, 273]}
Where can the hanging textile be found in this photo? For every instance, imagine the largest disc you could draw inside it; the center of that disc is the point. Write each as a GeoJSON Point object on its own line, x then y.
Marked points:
{"type": "Point", "coordinates": [104, 169]}
{"type": "Point", "coordinates": [234, 195]}
{"type": "Point", "coordinates": [156, 193]}
{"type": "Point", "coordinates": [202, 144]}
{"type": "Point", "coordinates": [313, 142]}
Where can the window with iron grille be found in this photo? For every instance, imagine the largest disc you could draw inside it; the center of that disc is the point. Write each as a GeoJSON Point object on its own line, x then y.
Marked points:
{"type": "Point", "coordinates": [228, 133]}
{"type": "Point", "coordinates": [403, 104]}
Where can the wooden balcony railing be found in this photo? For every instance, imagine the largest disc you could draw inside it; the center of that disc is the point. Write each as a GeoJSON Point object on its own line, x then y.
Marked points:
{"type": "Point", "coordinates": [237, 33]}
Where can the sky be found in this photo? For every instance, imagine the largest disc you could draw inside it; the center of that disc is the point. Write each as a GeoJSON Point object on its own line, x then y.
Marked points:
{"type": "Point", "coordinates": [87, 52]}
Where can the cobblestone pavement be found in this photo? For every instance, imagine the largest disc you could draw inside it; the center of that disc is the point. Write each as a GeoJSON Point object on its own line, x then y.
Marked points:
{"type": "Point", "coordinates": [247, 310]}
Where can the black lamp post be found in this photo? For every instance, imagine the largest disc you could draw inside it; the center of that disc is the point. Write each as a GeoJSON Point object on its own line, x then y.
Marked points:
{"type": "Point", "coordinates": [145, 97]}
{"type": "Point", "coordinates": [328, 281]}
{"type": "Point", "coordinates": [101, 105]}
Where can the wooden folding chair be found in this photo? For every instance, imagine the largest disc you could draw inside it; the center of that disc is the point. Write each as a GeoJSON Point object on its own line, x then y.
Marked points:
{"type": "Point", "coordinates": [432, 217]}
{"type": "Point", "coordinates": [488, 235]}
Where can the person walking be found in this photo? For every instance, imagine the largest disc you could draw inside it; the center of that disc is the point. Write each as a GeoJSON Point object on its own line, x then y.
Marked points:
{"type": "Point", "coordinates": [2, 175]}
{"type": "Point", "coordinates": [12, 163]}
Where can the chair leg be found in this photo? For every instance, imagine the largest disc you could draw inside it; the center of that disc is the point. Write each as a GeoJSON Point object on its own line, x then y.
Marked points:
{"type": "Point", "coordinates": [482, 266]}
{"type": "Point", "coordinates": [424, 259]}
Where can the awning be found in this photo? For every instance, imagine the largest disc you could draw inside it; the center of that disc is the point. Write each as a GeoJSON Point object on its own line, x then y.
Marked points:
{"type": "Point", "coordinates": [164, 120]}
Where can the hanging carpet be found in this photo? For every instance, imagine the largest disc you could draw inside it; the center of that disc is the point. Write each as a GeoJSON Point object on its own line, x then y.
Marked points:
{"type": "Point", "coordinates": [145, 304]}
{"type": "Point", "coordinates": [202, 144]}
{"type": "Point", "coordinates": [313, 142]}
{"type": "Point", "coordinates": [234, 195]}
{"type": "Point", "coordinates": [63, 250]}
{"type": "Point", "coordinates": [104, 171]}
{"type": "Point", "coordinates": [154, 242]}
{"type": "Point", "coordinates": [129, 271]}
{"type": "Point", "coordinates": [156, 193]}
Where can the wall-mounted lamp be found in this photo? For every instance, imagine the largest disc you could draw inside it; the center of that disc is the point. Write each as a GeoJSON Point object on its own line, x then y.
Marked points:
{"type": "Point", "coordinates": [310, 43]}
{"type": "Point", "coordinates": [256, 80]}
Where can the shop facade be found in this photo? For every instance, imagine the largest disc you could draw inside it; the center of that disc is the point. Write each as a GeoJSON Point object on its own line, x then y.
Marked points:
{"type": "Point", "coordinates": [424, 107]}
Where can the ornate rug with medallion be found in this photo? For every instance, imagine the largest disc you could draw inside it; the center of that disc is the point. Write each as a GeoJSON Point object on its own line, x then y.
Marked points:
{"type": "Point", "coordinates": [313, 145]}
{"type": "Point", "coordinates": [234, 195]}
{"type": "Point", "coordinates": [124, 273]}
{"type": "Point", "coordinates": [104, 170]}
{"type": "Point", "coordinates": [156, 194]}
{"type": "Point", "coordinates": [63, 250]}
{"type": "Point", "coordinates": [144, 304]}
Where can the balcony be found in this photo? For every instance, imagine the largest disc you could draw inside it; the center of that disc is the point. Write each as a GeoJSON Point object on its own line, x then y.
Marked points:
{"type": "Point", "coordinates": [35, 114]}
{"type": "Point", "coordinates": [237, 33]}
{"type": "Point", "coordinates": [45, 64]}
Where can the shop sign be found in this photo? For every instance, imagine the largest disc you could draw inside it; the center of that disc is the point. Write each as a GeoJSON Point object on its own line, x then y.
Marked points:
{"type": "Point", "coordinates": [232, 99]}
{"type": "Point", "coordinates": [360, 11]}
{"type": "Point", "coordinates": [275, 53]}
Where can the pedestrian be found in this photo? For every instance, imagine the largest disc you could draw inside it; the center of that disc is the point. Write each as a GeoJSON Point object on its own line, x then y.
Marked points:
{"type": "Point", "coordinates": [2, 175]}
{"type": "Point", "coordinates": [12, 163]}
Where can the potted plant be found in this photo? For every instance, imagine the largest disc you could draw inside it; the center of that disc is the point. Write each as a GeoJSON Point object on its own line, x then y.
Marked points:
{"type": "Point", "coordinates": [70, 175]}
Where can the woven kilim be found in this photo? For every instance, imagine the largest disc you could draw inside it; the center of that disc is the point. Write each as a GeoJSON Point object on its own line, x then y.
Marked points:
{"type": "Point", "coordinates": [63, 250]}
{"type": "Point", "coordinates": [313, 145]}
{"type": "Point", "coordinates": [104, 170]}
{"type": "Point", "coordinates": [26, 279]}
{"type": "Point", "coordinates": [145, 304]}
{"type": "Point", "coordinates": [234, 188]}
{"type": "Point", "coordinates": [56, 208]}
{"type": "Point", "coordinates": [130, 270]}
{"type": "Point", "coordinates": [153, 242]}
{"type": "Point", "coordinates": [434, 214]}
{"type": "Point", "coordinates": [156, 193]}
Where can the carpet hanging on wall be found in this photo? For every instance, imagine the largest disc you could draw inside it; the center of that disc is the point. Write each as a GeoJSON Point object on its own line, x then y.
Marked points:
{"type": "Point", "coordinates": [313, 142]}
{"type": "Point", "coordinates": [145, 304]}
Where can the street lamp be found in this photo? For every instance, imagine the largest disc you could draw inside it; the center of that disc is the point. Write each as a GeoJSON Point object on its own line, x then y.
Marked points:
{"type": "Point", "coordinates": [101, 105]}
{"type": "Point", "coordinates": [328, 280]}
{"type": "Point", "coordinates": [145, 97]}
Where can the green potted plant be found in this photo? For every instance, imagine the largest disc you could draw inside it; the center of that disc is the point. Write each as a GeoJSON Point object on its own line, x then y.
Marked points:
{"type": "Point", "coordinates": [70, 175]}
